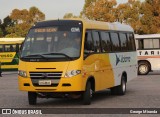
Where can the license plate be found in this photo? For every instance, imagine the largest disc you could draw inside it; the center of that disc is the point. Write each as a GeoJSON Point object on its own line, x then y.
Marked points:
{"type": "Point", "coordinates": [44, 82]}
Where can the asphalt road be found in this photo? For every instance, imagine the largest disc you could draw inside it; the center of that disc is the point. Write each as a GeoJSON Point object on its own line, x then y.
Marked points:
{"type": "Point", "coordinates": [142, 92]}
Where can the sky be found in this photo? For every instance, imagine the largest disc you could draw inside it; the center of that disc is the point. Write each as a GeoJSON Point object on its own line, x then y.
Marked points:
{"type": "Point", "coordinates": [51, 8]}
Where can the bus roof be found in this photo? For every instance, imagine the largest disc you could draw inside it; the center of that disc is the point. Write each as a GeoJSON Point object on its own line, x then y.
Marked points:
{"type": "Point", "coordinates": [108, 26]}
{"type": "Point", "coordinates": [147, 36]}
{"type": "Point", "coordinates": [11, 40]}
{"type": "Point", "coordinates": [90, 24]}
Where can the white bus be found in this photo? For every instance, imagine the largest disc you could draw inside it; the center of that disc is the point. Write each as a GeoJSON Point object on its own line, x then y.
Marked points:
{"type": "Point", "coordinates": [148, 51]}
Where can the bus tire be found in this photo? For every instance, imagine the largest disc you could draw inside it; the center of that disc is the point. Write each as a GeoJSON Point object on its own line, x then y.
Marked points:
{"type": "Point", "coordinates": [121, 89]}
{"type": "Point", "coordinates": [32, 98]}
{"type": "Point", "coordinates": [114, 90]}
{"type": "Point", "coordinates": [87, 94]}
{"type": "Point", "coordinates": [143, 68]}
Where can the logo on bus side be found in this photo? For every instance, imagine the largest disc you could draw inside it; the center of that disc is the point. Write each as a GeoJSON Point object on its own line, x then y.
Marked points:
{"type": "Point", "coordinates": [122, 59]}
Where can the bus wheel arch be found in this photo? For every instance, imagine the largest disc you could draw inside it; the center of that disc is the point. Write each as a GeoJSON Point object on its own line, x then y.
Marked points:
{"type": "Point", "coordinates": [144, 67]}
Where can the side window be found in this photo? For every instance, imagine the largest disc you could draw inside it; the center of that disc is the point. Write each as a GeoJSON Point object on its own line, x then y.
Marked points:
{"type": "Point", "coordinates": [7, 48]}
{"type": "Point", "coordinates": [140, 44]}
{"type": "Point", "coordinates": [1, 48]}
{"type": "Point", "coordinates": [97, 47]}
{"type": "Point", "coordinates": [17, 47]}
{"type": "Point", "coordinates": [12, 48]}
{"type": "Point", "coordinates": [105, 42]}
{"type": "Point", "coordinates": [156, 43]}
{"type": "Point", "coordinates": [148, 44]}
{"type": "Point", "coordinates": [88, 45]}
{"type": "Point", "coordinates": [151, 43]}
{"type": "Point", "coordinates": [131, 42]}
{"type": "Point", "coordinates": [123, 41]}
{"type": "Point", "coordinates": [115, 42]}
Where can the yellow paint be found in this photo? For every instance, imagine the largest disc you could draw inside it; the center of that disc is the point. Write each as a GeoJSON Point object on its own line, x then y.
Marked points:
{"type": "Point", "coordinates": [60, 66]}
{"type": "Point", "coordinates": [9, 66]}
{"type": "Point", "coordinates": [96, 65]}
{"type": "Point", "coordinates": [7, 56]}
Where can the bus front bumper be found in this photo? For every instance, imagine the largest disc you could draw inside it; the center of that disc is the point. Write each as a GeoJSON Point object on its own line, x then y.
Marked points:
{"type": "Point", "coordinates": [73, 84]}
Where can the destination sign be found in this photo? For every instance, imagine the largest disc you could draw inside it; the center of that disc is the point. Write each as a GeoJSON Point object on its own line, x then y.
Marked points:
{"type": "Point", "coordinates": [40, 30]}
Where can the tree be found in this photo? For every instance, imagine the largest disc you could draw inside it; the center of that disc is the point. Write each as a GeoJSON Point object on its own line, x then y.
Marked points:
{"type": "Point", "coordinates": [151, 16]}
{"type": "Point", "coordinates": [35, 15]}
{"type": "Point", "coordinates": [86, 5]}
{"type": "Point", "coordinates": [130, 13]}
{"type": "Point", "coordinates": [22, 20]}
{"type": "Point", "coordinates": [7, 21]}
{"type": "Point", "coordinates": [144, 16]}
{"type": "Point", "coordinates": [69, 15]}
{"type": "Point", "coordinates": [1, 33]}
{"type": "Point", "coordinates": [101, 10]}
{"type": "Point", "coordinates": [121, 12]}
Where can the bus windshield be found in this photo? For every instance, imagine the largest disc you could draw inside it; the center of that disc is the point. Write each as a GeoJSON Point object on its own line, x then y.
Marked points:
{"type": "Point", "coordinates": [52, 43]}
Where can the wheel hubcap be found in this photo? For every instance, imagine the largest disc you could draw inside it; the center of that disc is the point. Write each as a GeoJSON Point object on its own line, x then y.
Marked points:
{"type": "Point", "coordinates": [91, 93]}
{"type": "Point", "coordinates": [143, 69]}
{"type": "Point", "coordinates": [124, 86]}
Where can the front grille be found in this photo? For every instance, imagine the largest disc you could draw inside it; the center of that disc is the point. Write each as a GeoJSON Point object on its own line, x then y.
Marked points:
{"type": "Point", "coordinates": [53, 76]}
{"type": "Point", "coordinates": [45, 75]}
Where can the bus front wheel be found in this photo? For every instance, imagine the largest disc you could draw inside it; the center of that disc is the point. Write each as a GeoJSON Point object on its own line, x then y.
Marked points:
{"type": "Point", "coordinates": [143, 68]}
{"type": "Point", "coordinates": [32, 98]}
{"type": "Point", "coordinates": [87, 94]}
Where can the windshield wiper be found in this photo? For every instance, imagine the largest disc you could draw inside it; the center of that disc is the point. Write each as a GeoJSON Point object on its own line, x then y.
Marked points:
{"type": "Point", "coordinates": [34, 55]}
{"type": "Point", "coordinates": [59, 54]}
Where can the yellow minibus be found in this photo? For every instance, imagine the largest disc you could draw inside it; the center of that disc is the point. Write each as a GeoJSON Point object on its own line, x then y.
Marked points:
{"type": "Point", "coordinates": [75, 58]}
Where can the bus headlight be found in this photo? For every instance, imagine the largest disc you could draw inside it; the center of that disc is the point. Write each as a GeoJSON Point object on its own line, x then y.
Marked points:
{"type": "Point", "coordinates": [72, 73]}
{"type": "Point", "coordinates": [22, 73]}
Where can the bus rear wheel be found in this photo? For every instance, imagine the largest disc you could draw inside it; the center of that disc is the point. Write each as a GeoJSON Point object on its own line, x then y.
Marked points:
{"type": "Point", "coordinates": [143, 68]}
{"type": "Point", "coordinates": [121, 89]}
{"type": "Point", "coordinates": [32, 98]}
